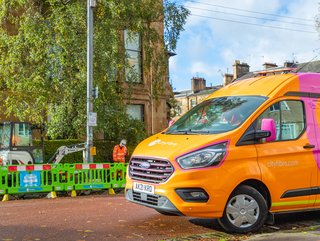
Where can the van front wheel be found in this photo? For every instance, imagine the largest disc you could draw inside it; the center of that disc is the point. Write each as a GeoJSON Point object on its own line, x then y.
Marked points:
{"type": "Point", "coordinates": [246, 211]}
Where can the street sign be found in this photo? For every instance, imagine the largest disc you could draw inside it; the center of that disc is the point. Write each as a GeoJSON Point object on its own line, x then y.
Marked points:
{"type": "Point", "coordinates": [93, 151]}
{"type": "Point", "coordinates": [92, 119]}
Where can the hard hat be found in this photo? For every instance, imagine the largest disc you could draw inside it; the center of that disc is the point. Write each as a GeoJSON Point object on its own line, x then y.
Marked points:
{"type": "Point", "coordinates": [123, 142]}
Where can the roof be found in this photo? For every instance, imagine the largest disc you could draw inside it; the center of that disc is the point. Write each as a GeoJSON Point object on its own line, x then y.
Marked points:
{"type": "Point", "coordinates": [186, 93]}
{"type": "Point", "coordinates": [312, 66]}
{"type": "Point", "coordinates": [262, 85]}
{"type": "Point", "coordinates": [182, 93]}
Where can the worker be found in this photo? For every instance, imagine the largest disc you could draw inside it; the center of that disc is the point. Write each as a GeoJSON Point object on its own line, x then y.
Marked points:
{"type": "Point", "coordinates": [120, 152]}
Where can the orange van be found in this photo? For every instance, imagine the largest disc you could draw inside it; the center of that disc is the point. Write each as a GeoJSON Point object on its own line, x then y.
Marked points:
{"type": "Point", "coordinates": [250, 150]}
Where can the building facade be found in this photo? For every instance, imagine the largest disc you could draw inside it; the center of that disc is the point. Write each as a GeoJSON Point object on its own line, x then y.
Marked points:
{"type": "Point", "coordinates": [142, 104]}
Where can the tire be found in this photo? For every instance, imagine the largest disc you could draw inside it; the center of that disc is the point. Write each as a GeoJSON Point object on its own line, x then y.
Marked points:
{"type": "Point", "coordinates": [246, 211]}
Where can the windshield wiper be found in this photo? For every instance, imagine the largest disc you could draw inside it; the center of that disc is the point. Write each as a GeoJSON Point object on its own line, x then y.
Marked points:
{"type": "Point", "coordinates": [188, 131]}
{"type": "Point", "coordinates": [199, 131]}
{"type": "Point", "coordinates": [185, 132]}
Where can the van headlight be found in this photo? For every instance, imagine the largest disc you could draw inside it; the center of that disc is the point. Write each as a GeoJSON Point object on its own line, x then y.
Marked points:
{"type": "Point", "coordinates": [208, 156]}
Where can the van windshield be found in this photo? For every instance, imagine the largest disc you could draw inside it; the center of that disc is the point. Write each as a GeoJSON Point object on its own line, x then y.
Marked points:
{"type": "Point", "coordinates": [217, 115]}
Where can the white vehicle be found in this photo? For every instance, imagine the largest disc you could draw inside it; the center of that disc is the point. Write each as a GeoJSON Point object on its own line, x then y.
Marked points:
{"type": "Point", "coordinates": [65, 150]}
{"type": "Point", "coordinates": [16, 144]}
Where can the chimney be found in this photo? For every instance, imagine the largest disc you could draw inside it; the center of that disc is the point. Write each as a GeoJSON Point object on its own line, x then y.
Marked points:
{"type": "Point", "coordinates": [240, 69]}
{"type": "Point", "coordinates": [227, 79]}
{"type": "Point", "coordinates": [269, 65]}
{"type": "Point", "coordinates": [288, 64]}
{"type": "Point", "coordinates": [198, 84]}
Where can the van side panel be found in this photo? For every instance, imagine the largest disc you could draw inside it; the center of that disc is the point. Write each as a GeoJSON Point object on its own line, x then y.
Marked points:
{"type": "Point", "coordinates": [288, 170]}
{"type": "Point", "coordinates": [310, 83]}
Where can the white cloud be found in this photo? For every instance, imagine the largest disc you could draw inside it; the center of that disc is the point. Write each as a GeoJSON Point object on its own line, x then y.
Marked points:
{"type": "Point", "coordinates": [201, 68]}
{"type": "Point", "coordinates": [209, 45]}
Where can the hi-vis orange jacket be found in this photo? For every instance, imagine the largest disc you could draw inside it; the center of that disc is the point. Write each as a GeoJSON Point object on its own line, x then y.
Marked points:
{"type": "Point", "coordinates": [119, 153]}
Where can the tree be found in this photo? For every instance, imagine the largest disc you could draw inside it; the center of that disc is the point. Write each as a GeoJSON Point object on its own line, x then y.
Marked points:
{"type": "Point", "coordinates": [43, 60]}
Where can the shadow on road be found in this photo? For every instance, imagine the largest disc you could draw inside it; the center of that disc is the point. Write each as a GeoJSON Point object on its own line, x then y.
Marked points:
{"type": "Point", "coordinates": [284, 222]}
{"type": "Point", "coordinates": [206, 223]}
{"type": "Point", "coordinates": [299, 219]}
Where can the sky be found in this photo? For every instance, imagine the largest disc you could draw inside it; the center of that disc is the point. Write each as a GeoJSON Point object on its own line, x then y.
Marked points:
{"type": "Point", "coordinates": [218, 32]}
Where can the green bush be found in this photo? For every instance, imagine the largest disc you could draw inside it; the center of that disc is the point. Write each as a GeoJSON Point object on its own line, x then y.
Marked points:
{"type": "Point", "coordinates": [104, 150]}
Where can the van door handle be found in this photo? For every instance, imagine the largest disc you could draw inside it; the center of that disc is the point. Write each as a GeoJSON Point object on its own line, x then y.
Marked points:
{"type": "Point", "coordinates": [309, 146]}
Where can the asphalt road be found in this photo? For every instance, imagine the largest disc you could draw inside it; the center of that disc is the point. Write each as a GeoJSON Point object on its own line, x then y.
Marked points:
{"type": "Point", "coordinates": [112, 218]}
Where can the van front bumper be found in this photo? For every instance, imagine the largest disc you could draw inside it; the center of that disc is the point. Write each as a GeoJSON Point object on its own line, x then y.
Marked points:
{"type": "Point", "coordinates": [190, 193]}
{"type": "Point", "coordinates": [154, 201]}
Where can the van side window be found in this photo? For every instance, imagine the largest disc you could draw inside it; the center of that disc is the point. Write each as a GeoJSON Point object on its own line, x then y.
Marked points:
{"type": "Point", "coordinates": [289, 117]}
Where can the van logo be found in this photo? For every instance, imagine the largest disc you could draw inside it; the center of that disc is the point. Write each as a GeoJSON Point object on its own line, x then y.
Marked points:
{"type": "Point", "coordinates": [145, 165]}
{"type": "Point", "coordinates": [160, 142]}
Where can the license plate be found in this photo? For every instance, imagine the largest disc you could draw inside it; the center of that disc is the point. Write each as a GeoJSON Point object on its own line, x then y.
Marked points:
{"type": "Point", "coordinates": [141, 187]}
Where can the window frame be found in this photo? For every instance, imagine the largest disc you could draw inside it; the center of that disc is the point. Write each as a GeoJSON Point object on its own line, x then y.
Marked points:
{"type": "Point", "coordinates": [142, 108]}
{"type": "Point", "coordinates": [193, 103]}
{"type": "Point", "coordinates": [21, 130]}
{"type": "Point", "coordinates": [254, 123]}
{"type": "Point", "coordinates": [137, 51]}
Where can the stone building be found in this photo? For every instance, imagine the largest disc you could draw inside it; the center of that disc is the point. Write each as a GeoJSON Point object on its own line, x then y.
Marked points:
{"type": "Point", "coordinates": [190, 98]}
{"type": "Point", "coordinates": [239, 70]}
{"type": "Point", "coordinates": [154, 113]}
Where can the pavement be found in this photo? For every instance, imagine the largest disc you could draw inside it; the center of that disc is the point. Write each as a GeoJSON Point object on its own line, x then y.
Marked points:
{"type": "Point", "coordinates": [295, 231]}
{"type": "Point", "coordinates": [305, 236]}
{"type": "Point", "coordinates": [301, 226]}
{"type": "Point", "coordinates": [311, 233]}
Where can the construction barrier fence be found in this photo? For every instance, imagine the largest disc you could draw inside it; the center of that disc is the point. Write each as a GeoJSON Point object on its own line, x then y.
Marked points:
{"type": "Point", "coordinates": [21, 179]}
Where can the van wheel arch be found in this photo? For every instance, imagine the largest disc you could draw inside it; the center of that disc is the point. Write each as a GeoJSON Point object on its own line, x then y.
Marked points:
{"type": "Point", "coordinates": [260, 187]}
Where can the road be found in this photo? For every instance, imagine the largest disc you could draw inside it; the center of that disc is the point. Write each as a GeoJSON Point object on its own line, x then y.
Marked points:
{"type": "Point", "coordinates": [112, 218]}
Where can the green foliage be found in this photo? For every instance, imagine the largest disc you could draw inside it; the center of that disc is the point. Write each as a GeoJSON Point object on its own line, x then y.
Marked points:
{"type": "Point", "coordinates": [43, 61]}
{"type": "Point", "coordinates": [175, 107]}
{"type": "Point", "coordinates": [174, 20]}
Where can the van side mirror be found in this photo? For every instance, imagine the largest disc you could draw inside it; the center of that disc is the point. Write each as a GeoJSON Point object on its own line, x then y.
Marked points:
{"type": "Point", "coordinates": [252, 136]}
{"type": "Point", "coordinates": [269, 125]}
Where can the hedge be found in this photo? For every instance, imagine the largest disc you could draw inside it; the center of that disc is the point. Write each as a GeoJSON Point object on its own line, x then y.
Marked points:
{"type": "Point", "coordinates": [104, 150]}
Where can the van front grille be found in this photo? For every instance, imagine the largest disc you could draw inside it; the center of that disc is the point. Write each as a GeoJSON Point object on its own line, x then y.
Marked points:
{"type": "Point", "coordinates": [150, 170]}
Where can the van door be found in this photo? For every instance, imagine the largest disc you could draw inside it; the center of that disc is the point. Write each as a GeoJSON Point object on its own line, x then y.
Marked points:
{"type": "Point", "coordinates": [287, 164]}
